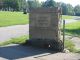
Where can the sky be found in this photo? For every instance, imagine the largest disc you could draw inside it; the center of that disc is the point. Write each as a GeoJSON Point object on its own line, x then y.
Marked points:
{"type": "Point", "coordinates": [72, 2]}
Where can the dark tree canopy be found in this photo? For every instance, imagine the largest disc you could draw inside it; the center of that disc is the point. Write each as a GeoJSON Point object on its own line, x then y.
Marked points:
{"type": "Point", "coordinates": [49, 3]}
{"type": "Point", "coordinates": [12, 5]}
{"type": "Point", "coordinates": [26, 5]}
{"type": "Point", "coordinates": [77, 10]}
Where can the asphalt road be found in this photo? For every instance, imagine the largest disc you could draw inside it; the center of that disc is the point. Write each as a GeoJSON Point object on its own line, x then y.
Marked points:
{"type": "Point", "coordinates": [9, 32]}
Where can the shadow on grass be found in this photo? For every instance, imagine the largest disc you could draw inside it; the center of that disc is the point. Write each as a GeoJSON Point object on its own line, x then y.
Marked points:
{"type": "Point", "coordinates": [19, 51]}
{"type": "Point", "coordinates": [73, 32]}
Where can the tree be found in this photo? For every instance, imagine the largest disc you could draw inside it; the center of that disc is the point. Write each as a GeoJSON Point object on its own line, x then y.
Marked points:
{"type": "Point", "coordinates": [77, 10]}
{"type": "Point", "coordinates": [70, 9]}
{"type": "Point", "coordinates": [10, 4]}
{"type": "Point", "coordinates": [1, 4]}
{"type": "Point", "coordinates": [49, 3]}
{"type": "Point", "coordinates": [15, 5]}
{"type": "Point", "coordinates": [64, 9]}
{"type": "Point", "coordinates": [33, 4]}
{"type": "Point", "coordinates": [22, 4]}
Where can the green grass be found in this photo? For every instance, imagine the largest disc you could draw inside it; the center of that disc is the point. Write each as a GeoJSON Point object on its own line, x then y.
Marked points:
{"type": "Point", "coordinates": [70, 46]}
{"type": "Point", "coordinates": [18, 18]}
{"type": "Point", "coordinates": [13, 18]}
{"type": "Point", "coordinates": [18, 40]}
{"type": "Point", "coordinates": [73, 29]}
{"type": "Point", "coordinates": [67, 17]}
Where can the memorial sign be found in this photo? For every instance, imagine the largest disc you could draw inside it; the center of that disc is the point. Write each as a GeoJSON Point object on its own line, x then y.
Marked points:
{"type": "Point", "coordinates": [45, 28]}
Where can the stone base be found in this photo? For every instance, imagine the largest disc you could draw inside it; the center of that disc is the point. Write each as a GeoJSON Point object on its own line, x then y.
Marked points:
{"type": "Point", "coordinates": [47, 43]}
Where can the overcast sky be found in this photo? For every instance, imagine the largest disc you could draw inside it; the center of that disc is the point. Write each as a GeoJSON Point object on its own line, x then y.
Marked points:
{"type": "Point", "coordinates": [72, 2]}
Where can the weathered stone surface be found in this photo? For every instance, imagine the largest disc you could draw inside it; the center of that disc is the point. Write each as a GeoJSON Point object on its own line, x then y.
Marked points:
{"type": "Point", "coordinates": [44, 25]}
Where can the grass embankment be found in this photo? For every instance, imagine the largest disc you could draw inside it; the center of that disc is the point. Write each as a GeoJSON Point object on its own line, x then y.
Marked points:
{"type": "Point", "coordinates": [73, 29]}
{"type": "Point", "coordinates": [13, 18]}
{"type": "Point", "coordinates": [18, 40]}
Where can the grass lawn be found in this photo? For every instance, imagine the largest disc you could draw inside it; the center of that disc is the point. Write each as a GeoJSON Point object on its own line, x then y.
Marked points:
{"type": "Point", "coordinates": [68, 17]}
{"type": "Point", "coordinates": [18, 18]}
{"type": "Point", "coordinates": [13, 18]}
{"type": "Point", "coordinates": [73, 29]}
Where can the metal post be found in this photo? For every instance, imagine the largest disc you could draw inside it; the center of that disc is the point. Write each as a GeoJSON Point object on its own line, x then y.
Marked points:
{"type": "Point", "coordinates": [63, 32]}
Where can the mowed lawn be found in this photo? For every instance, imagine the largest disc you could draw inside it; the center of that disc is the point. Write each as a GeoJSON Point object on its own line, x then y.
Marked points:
{"type": "Point", "coordinates": [68, 17]}
{"type": "Point", "coordinates": [13, 18]}
{"type": "Point", "coordinates": [18, 18]}
{"type": "Point", "coordinates": [73, 28]}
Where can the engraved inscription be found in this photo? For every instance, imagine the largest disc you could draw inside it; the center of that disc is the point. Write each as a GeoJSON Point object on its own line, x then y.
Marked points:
{"type": "Point", "coordinates": [43, 20]}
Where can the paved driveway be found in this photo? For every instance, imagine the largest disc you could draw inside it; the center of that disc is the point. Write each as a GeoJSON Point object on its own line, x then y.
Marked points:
{"type": "Point", "coordinates": [13, 31]}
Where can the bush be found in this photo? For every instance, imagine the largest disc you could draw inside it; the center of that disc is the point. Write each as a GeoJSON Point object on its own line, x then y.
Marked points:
{"type": "Point", "coordinates": [24, 11]}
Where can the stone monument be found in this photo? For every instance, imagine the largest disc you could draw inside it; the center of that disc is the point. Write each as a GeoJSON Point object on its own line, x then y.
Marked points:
{"type": "Point", "coordinates": [44, 28]}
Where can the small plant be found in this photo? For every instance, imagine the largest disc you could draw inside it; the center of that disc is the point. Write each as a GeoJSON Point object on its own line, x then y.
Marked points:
{"type": "Point", "coordinates": [70, 46]}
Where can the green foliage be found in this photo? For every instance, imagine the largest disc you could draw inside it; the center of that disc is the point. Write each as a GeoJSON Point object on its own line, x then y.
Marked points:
{"type": "Point", "coordinates": [13, 18]}
{"type": "Point", "coordinates": [13, 5]}
{"type": "Point", "coordinates": [20, 5]}
{"type": "Point", "coordinates": [70, 9]}
{"type": "Point", "coordinates": [49, 3]}
{"type": "Point", "coordinates": [18, 40]}
{"type": "Point", "coordinates": [69, 45]}
{"type": "Point", "coordinates": [77, 10]}
{"type": "Point", "coordinates": [67, 9]}
{"type": "Point", "coordinates": [64, 8]}
{"type": "Point", "coordinates": [33, 4]}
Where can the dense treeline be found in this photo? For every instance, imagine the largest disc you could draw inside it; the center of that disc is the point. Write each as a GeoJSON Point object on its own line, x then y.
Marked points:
{"type": "Point", "coordinates": [23, 5]}
{"type": "Point", "coordinates": [12, 5]}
